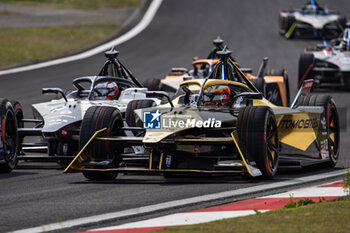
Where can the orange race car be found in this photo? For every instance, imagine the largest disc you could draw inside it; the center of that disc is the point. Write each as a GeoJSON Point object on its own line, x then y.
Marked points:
{"type": "Point", "coordinates": [274, 85]}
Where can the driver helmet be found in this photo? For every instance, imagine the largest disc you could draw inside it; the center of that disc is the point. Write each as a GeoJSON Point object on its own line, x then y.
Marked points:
{"type": "Point", "coordinates": [311, 6]}
{"type": "Point", "coordinates": [107, 90]}
{"type": "Point", "coordinates": [217, 94]}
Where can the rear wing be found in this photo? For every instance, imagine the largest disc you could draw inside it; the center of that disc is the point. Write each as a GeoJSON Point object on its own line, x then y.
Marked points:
{"type": "Point", "coordinates": [304, 90]}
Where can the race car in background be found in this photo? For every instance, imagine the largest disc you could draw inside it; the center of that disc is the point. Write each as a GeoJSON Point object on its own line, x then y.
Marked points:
{"type": "Point", "coordinates": [312, 21]}
{"type": "Point", "coordinates": [57, 122]}
{"type": "Point", "coordinates": [328, 65]}
{"type": "Point", "coordinates": [273, 84]}
{"type": "Point", "coordinates": [212, 126]}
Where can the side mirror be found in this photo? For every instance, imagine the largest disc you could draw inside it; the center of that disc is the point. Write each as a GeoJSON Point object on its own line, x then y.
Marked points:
{"type": "Point", "coordinates": [159, 94]}
{"type": "Point", "coordinates": [186, 90]}
{"type": "Point", "coordinates": [54, 91]}
{"type": "Point", "coordinates": [249, 95]}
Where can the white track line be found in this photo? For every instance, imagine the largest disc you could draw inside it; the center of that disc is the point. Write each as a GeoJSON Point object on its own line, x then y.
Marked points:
{"type": "Point", "coordinates": [310, 192]}
{"type": "Point", "coordinates": [181, 203]}
{"type": "Point", "coordinates": [146, 20]}
{"type": "Point", "coordinates": [190, 218]}
{"type": "Point", "coordinates": [182, 219]}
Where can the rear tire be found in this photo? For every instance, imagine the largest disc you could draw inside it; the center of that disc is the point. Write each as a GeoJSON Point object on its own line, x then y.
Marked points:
{"type": "Point", "coordinates": [332, 123]}
{"type": "Point", "coordinates": [153, 84]}
{"type": "Point", "coordinates": [9, 136]}
{"type": "Point", "coordinates": [258, 137]}
{"type": "Point", "coordinates": [333, 129]}
{"type": "Point", "coordinates": [130, 116]}
{"type": "Point", "coordinates": [306, 61]}
{"type": "Point", "coordinates": [96, 118]}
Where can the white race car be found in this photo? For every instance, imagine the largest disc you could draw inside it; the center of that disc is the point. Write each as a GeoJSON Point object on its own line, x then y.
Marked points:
{"type": "Point", "coordinates": [328, 65]}
{"type": "Point", "coordinates": [57, 122]}
{"type": "Point", "coordinates": [312, 21]}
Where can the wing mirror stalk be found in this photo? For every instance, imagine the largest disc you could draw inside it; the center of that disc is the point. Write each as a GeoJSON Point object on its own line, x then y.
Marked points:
{"type": "Point", "coordinates": [159, 94]}
{"type": "Point", "coordinates": [249, 95]}
{"type": "Point", "coordinates": [262, 68]}
{"type": "Point", "coordinates": [54, 91]}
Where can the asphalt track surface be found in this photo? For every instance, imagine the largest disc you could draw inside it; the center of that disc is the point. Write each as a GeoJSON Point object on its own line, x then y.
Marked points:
{"type": "Point", "coordinates": [37, 194]}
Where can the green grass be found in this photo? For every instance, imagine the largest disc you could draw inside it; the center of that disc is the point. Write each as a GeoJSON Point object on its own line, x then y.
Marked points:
{"type": "Point", "coordinates": [296, 204]}
{"type": "Point", "coordinates": [347, 182]}
{"type": "Point", "coordinates": [320, 217]}
{"type": "Point", "coordinates": [35, 44]}
{"type": "Point", "coordinates": [81, 4]}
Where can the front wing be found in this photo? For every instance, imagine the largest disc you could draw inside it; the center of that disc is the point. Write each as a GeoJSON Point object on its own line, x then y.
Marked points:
{"type": "Point", "coordinates": [83, 161]}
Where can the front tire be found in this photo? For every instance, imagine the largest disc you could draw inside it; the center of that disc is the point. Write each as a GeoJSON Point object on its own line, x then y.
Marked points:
{"type": "Point", "coordinates": [258, 137]}
{"type": "Point", "coordinates": [285, 26]}
{"type": "Point", "coordinates": [96, 118]}
{"type": "Point", "coordinates": [18, 110]}
{"type": "Point", "coordinates": [9, 136]}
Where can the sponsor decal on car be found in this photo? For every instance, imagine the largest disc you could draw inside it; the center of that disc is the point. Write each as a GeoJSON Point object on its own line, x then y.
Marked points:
{"type": "Point", "coordinates": [299, 124]}
{"type": "Point", "coordinates": [155, 120]}
{"type": "Point", "coordinates": [324, 151]}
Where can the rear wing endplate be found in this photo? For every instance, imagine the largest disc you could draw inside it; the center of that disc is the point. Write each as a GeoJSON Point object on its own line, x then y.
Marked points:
{"type": "Point", "coordinates": [303, 91]}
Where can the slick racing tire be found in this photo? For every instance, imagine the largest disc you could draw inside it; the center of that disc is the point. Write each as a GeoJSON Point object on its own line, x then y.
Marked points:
{"type": "Point", "coordinates": [258, 138]}
{"type": "Point", "coordinates": [17, 107]}
{"type": "Point", "coordinates": [285, 25]}
{"type": "Point", "coordinates": [332, 123]}
{"type": "Point", "coordinates": [283, 73]}
{"type": "Point", "coordinates": [96, 118]}
{"type": "Point", "coordinates": [153, 84]}
{"type": "Point", "coordinates": [130, 116]}
{"type": "Point", "coordinates": [306, 62]}
{"type": "Point", "coordinates": [9, 136]}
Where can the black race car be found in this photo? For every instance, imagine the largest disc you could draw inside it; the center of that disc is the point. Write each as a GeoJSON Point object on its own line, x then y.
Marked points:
{"type": "Point", "coordinates": [212, 126]}
{"type": "Point", "coordinates": [273, 84]}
